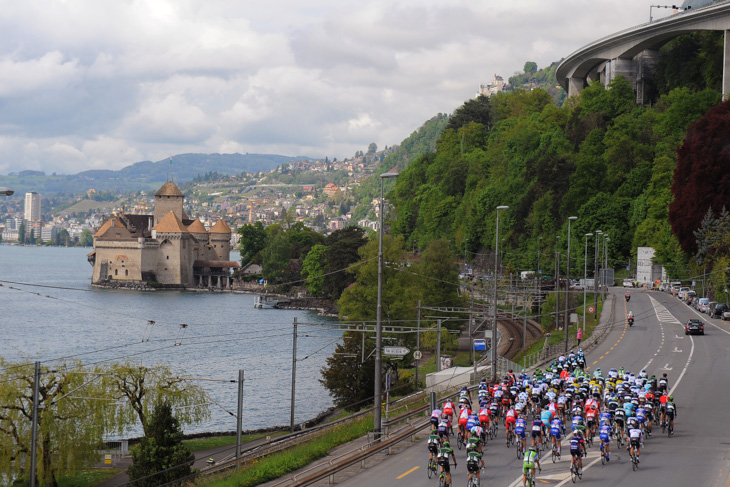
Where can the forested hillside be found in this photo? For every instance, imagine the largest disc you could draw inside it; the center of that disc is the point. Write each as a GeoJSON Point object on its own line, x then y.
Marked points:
{"type": "Point", "coordinates": [600, 157]}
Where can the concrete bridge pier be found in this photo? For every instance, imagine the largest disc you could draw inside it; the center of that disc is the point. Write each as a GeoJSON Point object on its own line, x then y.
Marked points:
{"type": "Point", "coordinates": [726, 67]}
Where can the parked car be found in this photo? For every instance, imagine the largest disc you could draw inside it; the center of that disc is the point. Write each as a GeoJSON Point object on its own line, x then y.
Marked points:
{"type": "Point", "coordinates": [710, 306]}
{"type": "Point", "coordinates": [692, 302]}
{"type": "Point", "coordinates": [628, 283]}
{"type": "Point", "coordinates": [694, 326]}
{"type": "Point", "coordinates": [690, 296]}
{"type": "Point", "coordinates": [716, 310]}
{"type": "Point", "coordinates": [726, 315]}
{"type": "Point", "coordinates": [682, 294]}
{"type": "Point", "coordinates": [702, 305]}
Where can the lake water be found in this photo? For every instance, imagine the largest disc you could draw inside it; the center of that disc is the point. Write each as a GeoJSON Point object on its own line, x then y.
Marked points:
{"type": "Point", "coordinates": [225, 333]}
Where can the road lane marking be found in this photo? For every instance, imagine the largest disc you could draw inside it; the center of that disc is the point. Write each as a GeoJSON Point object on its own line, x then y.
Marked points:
{"type": "Point", "coordinates": [657, 305]}
{"type": "Point", "coordinates": [410, 471]}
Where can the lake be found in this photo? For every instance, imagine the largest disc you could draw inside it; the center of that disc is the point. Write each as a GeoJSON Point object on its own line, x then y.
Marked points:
{"type": "Point", "coordinates": [224, 333]}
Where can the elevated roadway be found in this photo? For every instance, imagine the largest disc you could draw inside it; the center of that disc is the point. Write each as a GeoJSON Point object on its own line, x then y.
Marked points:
{"type": "Point", "coordinates": [697, 368]}
{"type": "Point", "coordinates": [633, 52]}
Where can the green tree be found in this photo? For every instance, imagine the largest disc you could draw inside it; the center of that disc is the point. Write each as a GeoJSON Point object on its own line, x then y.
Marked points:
{"type": "Point", "coordinates": [372, 148]}
{"type": "Point", "coordinates": [313, 270]}
{"type": "Point", "coordinates": [348, 379]}
{"type": "Point", "coordinates": [21, 234]}
{"type": "Point", "coordinates": [530, 67]}
{"type": "Point", "coordinates": [341, 252]}
{"type": "Point", "coordinates": [160, 457]}
{"type": "Point", "coordinates": [87, 239]}
{"type": "Point", "coordinates": [253, 241]}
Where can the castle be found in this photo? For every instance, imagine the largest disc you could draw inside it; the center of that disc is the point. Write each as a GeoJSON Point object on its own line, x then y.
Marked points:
{"type": "Point", "coordinates": [166, 249]}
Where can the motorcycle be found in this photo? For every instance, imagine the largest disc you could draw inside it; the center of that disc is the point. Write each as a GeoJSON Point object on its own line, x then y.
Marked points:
{"type": "Point", "coordinates": [631, 321]}
{"type": "Point", "coordinates": [628, 297]}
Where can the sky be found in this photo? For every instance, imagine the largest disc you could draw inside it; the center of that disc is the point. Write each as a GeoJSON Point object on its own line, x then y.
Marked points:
{"type": "Point", "coordinates": [89, 84]}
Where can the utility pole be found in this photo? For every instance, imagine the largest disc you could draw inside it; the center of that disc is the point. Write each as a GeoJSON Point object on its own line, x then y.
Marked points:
{"type": "Point", "coordinates": [418, 338]}
{"type": "Point", "coordinates": [239, 418]}
{"type": "Point", "coordinates": [557, 284]}
{"type": "Point", "coordinates": [34, 439]}
{"type": "Point", "coordinates": [362, 347]}
{"type": "Point", "coordinates": [438, 346]}
{"type": "Point", "coordinates": [293, 376]}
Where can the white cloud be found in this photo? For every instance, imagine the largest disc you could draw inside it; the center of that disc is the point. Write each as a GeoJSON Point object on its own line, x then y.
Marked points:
{"type": "Point", "coordinates": [88, 84]}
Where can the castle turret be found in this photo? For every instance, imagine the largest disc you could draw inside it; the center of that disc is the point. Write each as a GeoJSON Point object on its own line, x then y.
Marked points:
{"type": "Point", "coordinates": [168, 199]}
{"type": "Point", "coordinates": [220, 241]}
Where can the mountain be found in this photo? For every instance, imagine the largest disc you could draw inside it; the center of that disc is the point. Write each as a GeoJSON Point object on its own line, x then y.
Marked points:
{"type": "Point", "coordinates": [145, 174]}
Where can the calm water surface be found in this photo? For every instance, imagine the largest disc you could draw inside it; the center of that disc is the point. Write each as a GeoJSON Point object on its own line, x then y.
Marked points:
{"type": "Point", "coordinates": [224, 334]}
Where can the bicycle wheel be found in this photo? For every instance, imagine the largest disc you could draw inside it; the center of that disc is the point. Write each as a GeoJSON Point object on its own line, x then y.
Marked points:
{"type": "Point", "coordinates": [442, 480]}
{"type": "Point", "coordinates": [633, 461]}
{"type": "Point", "coordinates": [603, 457]}
{"type": "Point", "coordinates": [554, 456]}
{"type": "Point", "coordinates": [459, 440]}
{"type": "Point", "coordinates": [573, 473]}
{"type": "Point", "coordinates": [429, 470]}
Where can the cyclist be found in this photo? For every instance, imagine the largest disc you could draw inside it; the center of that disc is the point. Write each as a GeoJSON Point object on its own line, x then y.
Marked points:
{"type": "Point", "coordinates": [635, 439]}
{"type": "Point", "coordinates": [628, 296]}
{"type": "Point", "coordinates": [671, 412]}
{"type": "Point", "coordinates": [509, 423]}
{"type": "Point", "coordinates": [444, 427]}
{"type": "Point", "coordinates": [474, 463]}
{"type": "Point", "coordinates": [520, 428]}
{"type": "Point", "coordinates": [577, 449]}
{"type": "Point", "coordinates": [443, 460]}
{"type": "Point", "coordinates": [529, 462]}
{"type": "Point", "coordinates": [434, 443]}
{"type": "Point", "coordinates": [475, 442]}
{"type": "Point", "coordinates": [463, 418]}
{"type": "Point", "coordinates": [557, 430]}
{"type": "Point", "coordinates": [536, 430]}
{"type": "Point", "coordinates": [435, 417]}
{"type": "Point", "coordinates": [604, 433]}
{"type": "Point", "coordinates": [449, 409]}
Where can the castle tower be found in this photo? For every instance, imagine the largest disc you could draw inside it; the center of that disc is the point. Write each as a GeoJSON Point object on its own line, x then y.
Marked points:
{"type": "Point", "coordinates": [220, 241]}
{"type": "Point", "coordinates": [174, 263]}
{"type": "Point", "coordinates": [168, 199]}
{"type": "Point", "coordinates": [202, 237]}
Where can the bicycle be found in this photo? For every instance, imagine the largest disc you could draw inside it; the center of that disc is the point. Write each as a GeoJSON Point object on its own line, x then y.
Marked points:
{"type": "Point", "coordinates": [603, 454]}
{"type": "Point", "coordinates": [459, 439]}
{"type": "Point", "coordinates": [442, 478]}
{"type": "Point", "coordinates": [472, 480]}
{"type": "Point", "coordinates": [555, 455]}
{"type": "Point", "coordinates": [634, 459]}
{"type": "Point", "coordinates": [432, 467]}
{"type": "Point", "coordinates": [520, 449]}
{"type": "Point", "coordinates": [531, 477]}
{"type": "Point", "coordinates": [575, 472]}
{"type": "Point", "coordinates": [670, 428]}
{"type": "Point", "coordinates": [510, 437]}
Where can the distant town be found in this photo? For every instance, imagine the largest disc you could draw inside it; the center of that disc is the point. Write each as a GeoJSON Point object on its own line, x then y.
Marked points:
{"type": "Point", "coordinates": [322, 194]}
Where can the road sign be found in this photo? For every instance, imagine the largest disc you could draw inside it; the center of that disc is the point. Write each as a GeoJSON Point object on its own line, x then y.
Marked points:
{"type": "Point", "coordinates": [395, 351]}
{"type": "Point", "coordinates": [480, 345]}
{"type": "Point", "coordinates": [591, 309]}
{"type": "Point", "coordinates": [417, 355]}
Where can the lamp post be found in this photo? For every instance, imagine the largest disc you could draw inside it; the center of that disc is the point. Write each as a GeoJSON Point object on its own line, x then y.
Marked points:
{"type": "Point", "coordinates": [494, 304]}
{"type": "Point", "coordinates": [378, 393]}
{"type": "Point", "coordinates": [567, 291]}
{"type": "Point", "coordinates": [605, 266]}
{"type": "Point", "coordinates": [539, 284]}
{"type": "Point", "coordinates": [585, 279]}
{"type": "Point", "coordinates": [557, 283]}
{"type": "Point", "coordinates": [595, 277]}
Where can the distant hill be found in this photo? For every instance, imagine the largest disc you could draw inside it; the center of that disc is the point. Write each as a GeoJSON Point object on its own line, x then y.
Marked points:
{"type": "Point", "coordinates": [145, 174]}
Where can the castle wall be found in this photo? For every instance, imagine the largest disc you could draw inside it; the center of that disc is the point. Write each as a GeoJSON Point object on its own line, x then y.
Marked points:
{"type": "Point", "coordinates": [117, 260]}
{"type": "Point", "coordinates": [166, 204]}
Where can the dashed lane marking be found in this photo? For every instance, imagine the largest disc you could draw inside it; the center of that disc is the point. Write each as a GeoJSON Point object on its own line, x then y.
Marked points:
{"type": "Point", "coordinates": [406, 473]}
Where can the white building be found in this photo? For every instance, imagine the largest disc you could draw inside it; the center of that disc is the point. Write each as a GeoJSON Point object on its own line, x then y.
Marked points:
{"type": "Point", "coordinates": [32, 207]}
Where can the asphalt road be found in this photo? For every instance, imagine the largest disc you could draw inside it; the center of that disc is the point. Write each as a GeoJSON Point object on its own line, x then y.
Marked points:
{"type": "Point", "coordinates": [697, 368]}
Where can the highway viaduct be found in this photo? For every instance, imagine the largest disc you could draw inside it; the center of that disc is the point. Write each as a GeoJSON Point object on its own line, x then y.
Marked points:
{"type": "Point", "coordinates": [632, 53]}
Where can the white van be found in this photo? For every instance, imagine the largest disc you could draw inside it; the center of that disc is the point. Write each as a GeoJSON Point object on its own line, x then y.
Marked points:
{"type": "Point", "coordinates": [628, 282]}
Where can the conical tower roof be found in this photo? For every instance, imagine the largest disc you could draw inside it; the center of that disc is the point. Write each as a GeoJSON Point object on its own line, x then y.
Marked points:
{"type": "Point", "coordinates": [169, 189]}
{"type": "Point", "coordinates": [170, 224]}
{"type": "Point", "coordinates": [220, 227]}
{"type": "Point", "coordinates": [197, 227]}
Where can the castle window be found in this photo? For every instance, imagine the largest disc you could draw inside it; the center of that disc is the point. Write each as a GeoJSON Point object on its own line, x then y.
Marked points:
{"type": "Point", "coordinates": [126, 272]}
{"type": "Point", "coordinates": [167, 257]}
{"type": "Point", "coordinates": [116, 272]}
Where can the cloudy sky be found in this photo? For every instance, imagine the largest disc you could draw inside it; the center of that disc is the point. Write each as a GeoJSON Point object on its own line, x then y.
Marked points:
{"type": "Point", "coordinates": [90, 84]}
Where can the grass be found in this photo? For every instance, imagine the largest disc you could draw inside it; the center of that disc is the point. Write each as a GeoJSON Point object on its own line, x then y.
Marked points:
{"type": "Point", "coordinates": [87, 478]}
{"type": "Point", "coordinates": [279, 464]}
{"type": "Point", "coordinates": [198, 444]}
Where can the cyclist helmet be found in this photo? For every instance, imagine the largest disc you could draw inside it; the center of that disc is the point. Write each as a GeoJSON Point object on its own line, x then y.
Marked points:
{"type": "Point", "coordinates": [671, 398]}
{"type": "Point", "coordinates": [447, 444]}
{"type": "Point", "coordinates": [532, 448]}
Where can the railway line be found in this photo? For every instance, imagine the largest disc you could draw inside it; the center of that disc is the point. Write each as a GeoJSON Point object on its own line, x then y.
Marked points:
{"type": "Point", "coordinates": [512, 330]}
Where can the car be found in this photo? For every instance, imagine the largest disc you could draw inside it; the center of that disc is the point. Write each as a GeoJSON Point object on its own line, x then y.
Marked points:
{"type": "Point", "coordinates": [689, 297]}
{"type": "Point", "coordinates": [726, 315]}
{"type": "Point", "coordinates": [717, 310]}
{"type": "Point", "coordinates": [710, 306]}
{"type": "Point", "coordinates": [694, 326]}
{"type": "Point", "coordinates": [628, 283]}
{"type": "Point", "coordinates": [702, 305]}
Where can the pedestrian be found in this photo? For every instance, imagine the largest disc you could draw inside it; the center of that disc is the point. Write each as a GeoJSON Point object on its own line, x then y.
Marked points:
{"type": "Point", "coordinates": [580, 335]}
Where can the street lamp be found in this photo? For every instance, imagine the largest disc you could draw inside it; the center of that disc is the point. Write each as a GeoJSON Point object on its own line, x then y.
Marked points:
{"type": "Point", "coordinates": [494, 322]}
{"type": "Point", "coordinates": [6, 191]}
{"type": "Point", "coordinates": [585, 279]}
{"type": "Point", "coordinates": [605, 266]}
{"type": "Point", "coordinates": [539, 298]}
{"type": "Point", "coordinates": [567, 291]}
{"type": "Point", "coordinates": [595, 277]}
{"type": "Point", "coordinates": [378, 393]}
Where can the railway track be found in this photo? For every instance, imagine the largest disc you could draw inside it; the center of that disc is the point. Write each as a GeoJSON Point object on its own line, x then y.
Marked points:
{"type": "Point", "coordinates": [512, 335]}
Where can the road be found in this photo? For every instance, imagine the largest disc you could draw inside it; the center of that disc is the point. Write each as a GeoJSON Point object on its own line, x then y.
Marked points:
{"type": "Point", "coordinates": [697, 454]}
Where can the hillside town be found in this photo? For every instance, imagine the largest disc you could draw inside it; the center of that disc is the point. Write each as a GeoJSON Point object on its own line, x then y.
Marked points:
{"type": "Point", "coordinates": [324, 200]}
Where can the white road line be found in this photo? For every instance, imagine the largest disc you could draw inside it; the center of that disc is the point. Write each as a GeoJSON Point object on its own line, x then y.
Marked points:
{"type": "Point", "coordinates": [657, 307]}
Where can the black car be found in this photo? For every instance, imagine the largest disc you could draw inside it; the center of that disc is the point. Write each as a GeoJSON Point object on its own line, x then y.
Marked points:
{"type": "Point", "coordinates": [718, 310]}
{"type": "Point", "coordinates": [694, 326]}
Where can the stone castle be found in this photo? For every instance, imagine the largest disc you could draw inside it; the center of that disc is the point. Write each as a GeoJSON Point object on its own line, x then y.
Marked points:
{"type": "Point", "coordinates": [166, 249]}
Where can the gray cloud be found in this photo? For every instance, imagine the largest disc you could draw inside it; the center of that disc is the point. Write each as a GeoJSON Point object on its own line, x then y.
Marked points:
{"type": "Point", "coordinates": [104, 84]}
